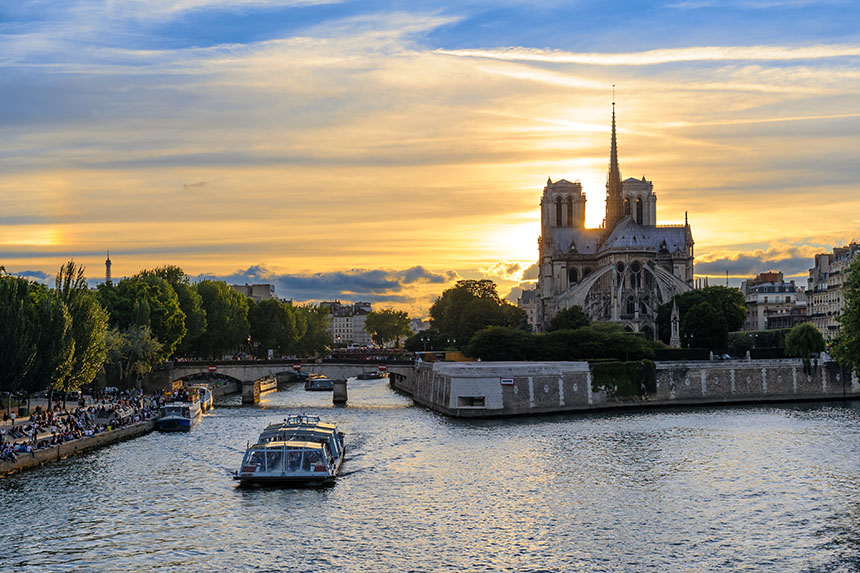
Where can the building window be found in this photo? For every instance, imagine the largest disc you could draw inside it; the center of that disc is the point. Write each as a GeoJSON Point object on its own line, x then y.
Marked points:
{"type": "Point", "coordinates": [558, 211]}
{"type": "Point", "coordinates": [639, 210]}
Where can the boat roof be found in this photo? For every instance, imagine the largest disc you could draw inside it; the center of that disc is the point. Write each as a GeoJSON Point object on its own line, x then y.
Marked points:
{"type": "Point", "coordinates": [289, 444]}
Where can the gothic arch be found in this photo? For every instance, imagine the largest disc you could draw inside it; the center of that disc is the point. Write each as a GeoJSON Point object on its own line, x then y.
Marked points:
{"type": "Point", "coordinates": [639, 210]}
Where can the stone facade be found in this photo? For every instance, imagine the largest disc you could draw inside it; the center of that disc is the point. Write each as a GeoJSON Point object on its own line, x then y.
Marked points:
{"type": "Point", "coordinates": [825, 300]}
{"type": "Point", "coordinates": [346, 324]}
{"type": "Point", "coordinates": [620, 272]}
{"type": "Point", "coordinates": [772, 302]}
{"type": "Point", "coordinates": [515, 388]}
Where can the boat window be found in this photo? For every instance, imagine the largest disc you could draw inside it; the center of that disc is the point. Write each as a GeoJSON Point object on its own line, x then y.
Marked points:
{"type": "Point", "coordinates": [253, 460]}
{"type": "Point", "coordinates": [274, 462]}
{"type": "Point", "coordinates": [315, 461]}
{"type": "Point", "coordinates": [294, 460]}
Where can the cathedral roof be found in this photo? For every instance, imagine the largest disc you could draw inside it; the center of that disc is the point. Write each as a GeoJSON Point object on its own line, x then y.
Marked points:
{"type": "Point", "coordinates": [583, 241]}
{"type": "Point", "coordinates": [629, 234]}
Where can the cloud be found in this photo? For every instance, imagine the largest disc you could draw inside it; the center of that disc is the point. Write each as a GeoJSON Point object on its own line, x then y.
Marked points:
{"type": "Point", "coordinates": [507, 270]}
{"type": "Point", "coordinates": [199, 184]}
{"type": "Point", "coordinates": [531, 273]}
{"type": "Point", "coordinates": [39, 276]}
{"type": "Point", "coordinates": [663, 56]}
{"type": "Point", "coordinates": [791, 260]}
{"type": "Point", "coordinates": [402, 287]}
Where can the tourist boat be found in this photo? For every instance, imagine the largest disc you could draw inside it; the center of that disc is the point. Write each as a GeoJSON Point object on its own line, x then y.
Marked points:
{"type": "Point", "coordinates": [374, 375]}
{"type": "Point", "coordinates": [299, 451]}
{"type": "Point", "coordinates": [179, 416]}
{"type": "Point", "coordinates": [318, 383]}
{"type": "Point", "coordinates": [205, 394]}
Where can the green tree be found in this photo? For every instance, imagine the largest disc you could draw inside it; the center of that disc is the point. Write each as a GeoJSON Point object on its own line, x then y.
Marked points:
{"type": "Point", "coordinates": [803, 341]}
{"type": "Point", "coordinates": [470, 306]}
{"type": "Point", "coordinates": [127, 303]}
{"type": "Point", "coordinates": [569, 318]}
{"type": "Point", "coordinates": [132, 353]}
{"type": "Point", "coordinates": [19, 332]}
{"type": "Point", "coordinates": [272, 326]}
{"type": "Point", "coordinates": [429, 339]}
{"type": "Point", "coordinates": [703, 326]}
{"type": "Point", "coordinates": [316, 337]}
{"type": "Point", "coordinates": [502, 343]}
{"type": "Point", "coordinates": [89, 326]}
{"type": "Point", "coordinates": [227, 318]}
{"type": "Point", "coordinates": [387, 325]}
{"type": "Point", "coordinates": [190, 302]}
{"type": "Point", "coordinates": [728, 302]}
{"type": "Point", "coordinates": [846, 348]}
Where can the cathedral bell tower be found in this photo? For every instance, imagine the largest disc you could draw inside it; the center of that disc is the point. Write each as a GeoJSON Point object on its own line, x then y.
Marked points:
{"type": "Point", "coordinates": [614, 200]}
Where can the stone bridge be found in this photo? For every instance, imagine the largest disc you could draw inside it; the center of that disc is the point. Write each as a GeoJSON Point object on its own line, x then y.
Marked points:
{"type": "Point", "coordinates": [250, 370]}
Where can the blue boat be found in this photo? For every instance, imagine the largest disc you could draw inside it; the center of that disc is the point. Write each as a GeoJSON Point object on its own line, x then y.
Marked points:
{"type": "Point", "coordinates": [179, 416]}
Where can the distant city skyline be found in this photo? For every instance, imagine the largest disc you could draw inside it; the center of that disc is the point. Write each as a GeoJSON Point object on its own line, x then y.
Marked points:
{"type": "Point", "coordinates": [364, 151]}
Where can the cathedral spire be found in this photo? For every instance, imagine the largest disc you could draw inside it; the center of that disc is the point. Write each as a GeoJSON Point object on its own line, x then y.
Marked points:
{"type": "Point", "coordinates": [614, 201]}
{"type": "Point", "coordinates": [107, 269]}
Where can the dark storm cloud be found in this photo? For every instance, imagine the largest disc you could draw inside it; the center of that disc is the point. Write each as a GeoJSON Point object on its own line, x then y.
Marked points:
{"type": "Point", "coordinates": [375, 285]}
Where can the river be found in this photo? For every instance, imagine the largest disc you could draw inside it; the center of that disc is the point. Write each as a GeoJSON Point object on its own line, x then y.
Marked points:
{"type": "Point", "coordinates": [757, 488]}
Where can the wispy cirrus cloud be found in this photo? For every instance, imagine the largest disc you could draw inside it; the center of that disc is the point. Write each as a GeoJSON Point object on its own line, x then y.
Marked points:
{"type": "Point", "coordinates": [663, 56]}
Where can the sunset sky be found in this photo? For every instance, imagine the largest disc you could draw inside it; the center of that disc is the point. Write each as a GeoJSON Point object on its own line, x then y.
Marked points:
{"type": "Point", "coordinates": [379, 150]}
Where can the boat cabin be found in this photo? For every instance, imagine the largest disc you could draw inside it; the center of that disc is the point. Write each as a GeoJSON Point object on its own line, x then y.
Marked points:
{"type": "Point", "coordinates": [292, 459]}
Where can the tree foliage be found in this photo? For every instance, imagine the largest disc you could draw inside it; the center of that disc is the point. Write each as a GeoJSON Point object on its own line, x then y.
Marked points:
{"type": "Point", "coordinates": [803, 341]}
{"type": "Point", "coordinates": [190, 302]}
{"type": "Point", "coordinates": [703, 326]}
{"type": "Point", "coordinates": [387, 325]}
{"type": "Point", "coordinates": [470, 306]}
{"type": "Point", "coordinates": [314, 321]}
{"type": "Point", "coordinates": [593, 342]}
{"type": "Point", "coordinates": [728, 302]}
{"type": "Point", "coordinates": [89, 326]}
{"type": "Point", "coordinates": [132, 353]}
{"type": "Point", "coordinates": [568, 319]}
{"type": "Point", "coordinates": [227, 318]}
{"type": "Point", "coordinates": [146, 300]}
{"type": "Point", "coordinates": [846, 348]}
{"type": "Point", "coordinates": [272, 326]}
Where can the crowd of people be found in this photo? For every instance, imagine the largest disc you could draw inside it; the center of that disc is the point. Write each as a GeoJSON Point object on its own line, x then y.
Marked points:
{"type": "Point", "coordinates": [51, 426]}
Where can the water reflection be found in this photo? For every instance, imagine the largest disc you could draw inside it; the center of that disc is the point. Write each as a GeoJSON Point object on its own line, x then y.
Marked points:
{"type": "Point", "coordinates": [735, 488]}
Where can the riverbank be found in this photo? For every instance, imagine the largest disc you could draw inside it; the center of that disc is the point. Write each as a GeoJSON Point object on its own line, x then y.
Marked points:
{"type": "Point", "coordinates": [61, 451]}
{"type": "Point", "coordinates": [494, 389]}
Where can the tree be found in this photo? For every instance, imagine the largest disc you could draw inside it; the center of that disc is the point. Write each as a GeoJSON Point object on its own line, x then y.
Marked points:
{"type": "Point", "coordinates": [131, 355]}
{"type": "Point", "coordinates": [190, 302]}
{"type": "Point", "coordinates": [470, 306]}
{"type": "Point", "coordinates": [127, 304]}
{"type": "Point", "coordinates": [569, 318]}
{"type": "Point", "coordinates": [272, 326]}
{"type": "Point", "coordinates": [227, 317]}
{"type": "Point", "coordinates": [316, 337]}
{"type": "Point", "coordinates": [846, 348]}
{"type": "Point", "coordinates": [703, 326]}
{"type": "Point", "coordinates": [19, 332]}
{"type": "Point", "coordinates": [89, 326]}
{"type": "Point", "coordinates": [502, 343]}
{"type": "Point", "coordinates": [387, 325]}
{"type": "Point", "coordinates": [803, 341]}
{"type": "Point", "coordinates": [728, 302]}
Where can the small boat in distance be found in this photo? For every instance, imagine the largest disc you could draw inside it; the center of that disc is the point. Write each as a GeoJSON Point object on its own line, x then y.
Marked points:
{"type": "Point", "coordinates": [374, 375]}
{"type": "Point", "coordinates": [180, 414]}
{"type": "Point", "coordinates": [299, 451]}
{"type": "Point", "coordinates": [318, 383]}
{"type": "Point", "coordinates": [205, 394]}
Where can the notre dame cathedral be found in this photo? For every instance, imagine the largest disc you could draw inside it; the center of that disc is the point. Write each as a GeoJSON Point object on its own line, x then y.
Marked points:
{"type": "Point", "coordinates": [620, 272]}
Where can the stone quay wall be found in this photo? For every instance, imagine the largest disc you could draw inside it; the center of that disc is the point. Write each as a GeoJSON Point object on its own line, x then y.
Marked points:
{"type": "Point", "coordinates": [481, 389]}
{"type": "Point", "coordinates": [62, 451]}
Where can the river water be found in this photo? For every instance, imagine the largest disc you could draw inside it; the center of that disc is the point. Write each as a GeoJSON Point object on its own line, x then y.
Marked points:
{"type": "Point", "coordinates": [757, 488]}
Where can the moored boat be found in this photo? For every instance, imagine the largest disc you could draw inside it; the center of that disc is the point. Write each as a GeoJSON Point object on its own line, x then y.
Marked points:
{"type": "Point", "coordinates": [205, 395]}
{"type": "Point", "coordinates": [179, 416]}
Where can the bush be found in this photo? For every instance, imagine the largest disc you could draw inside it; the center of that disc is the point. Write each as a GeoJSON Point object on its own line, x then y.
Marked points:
{"type": "Point", "coordinates": [624, 379]}
{"type": "Point", "coordinates": [681, 354]}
